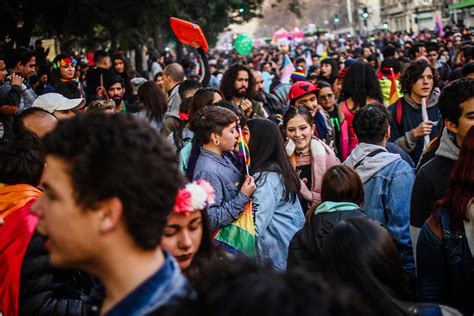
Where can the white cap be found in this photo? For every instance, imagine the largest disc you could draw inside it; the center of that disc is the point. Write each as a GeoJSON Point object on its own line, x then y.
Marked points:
{"type": "Point", "coordinates": [56, 102]}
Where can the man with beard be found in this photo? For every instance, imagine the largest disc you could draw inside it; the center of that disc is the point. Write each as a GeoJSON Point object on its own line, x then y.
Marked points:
{"type": "Point", "coordinates": [115, 87]}
{"type": "Point", "coordinates": [237, 86]}
{"type": "Point", "coordinates": [271, 104]}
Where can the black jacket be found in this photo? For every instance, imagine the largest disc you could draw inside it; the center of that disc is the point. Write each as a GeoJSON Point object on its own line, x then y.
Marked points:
{"type": "Point", "coordinates": [305, 248]}
{"type": "Point", "coordinates": [432, 180]}
{"type": "Point", "coordinates": [9, 95]}
{"type": "Point", "coordinates": [93, 80]}
{"type": "Point", "coordinates": [45, 290]}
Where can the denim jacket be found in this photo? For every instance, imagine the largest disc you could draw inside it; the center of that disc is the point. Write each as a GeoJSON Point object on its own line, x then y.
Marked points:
{"type": "Point", "coordinates": [445, 265]}
{"type": "Point", "coordinates": [224, 176]}
{"type": "Point", "coordinates": [165, 287]}
{"type": "Point", "coordinates": [276, 220]}
{"type": "Point", "coordinates": [388, 182]}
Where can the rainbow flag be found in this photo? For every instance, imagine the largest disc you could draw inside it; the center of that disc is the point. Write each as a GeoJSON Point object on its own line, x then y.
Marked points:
{"type": "Point", "coordinates": [239, 237]}
{"type": "Point", "coordinates": [244, 149]}
{"type": "Point", "coordinates": [439, 25]}
{"type": "Point", "coordinates": [394, 94]}
{"type": "Point", "coordinates": [287, 70]}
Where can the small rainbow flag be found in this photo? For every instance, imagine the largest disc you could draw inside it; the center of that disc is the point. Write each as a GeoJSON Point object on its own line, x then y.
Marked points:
{"type": "Point", "coordinates": [394, 95]}
{"type": "Point", "coordinates": [244, 150]}
{"type": "Point", "coordinates": [239, 237]}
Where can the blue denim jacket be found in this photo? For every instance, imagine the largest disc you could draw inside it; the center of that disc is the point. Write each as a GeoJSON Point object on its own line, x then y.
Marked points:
{"type": "Point", "coordinates": [387, 200]}
{"type": "Point", "coordinates": [225, 178]}
{"type": "Point", "coordinates": [445, 266]}
{"type": "Point", "coordinates": [164, 287]}
{"type": "Point", "coordinates": [276, 219]}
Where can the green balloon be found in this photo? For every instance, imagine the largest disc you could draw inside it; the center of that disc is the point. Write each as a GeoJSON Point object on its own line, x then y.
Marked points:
{"type": "Point", "coordinates": [243, 44]}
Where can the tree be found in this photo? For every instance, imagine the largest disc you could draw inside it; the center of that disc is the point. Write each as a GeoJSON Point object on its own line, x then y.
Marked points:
{"type": "Point", "coordinates": [129, 24]}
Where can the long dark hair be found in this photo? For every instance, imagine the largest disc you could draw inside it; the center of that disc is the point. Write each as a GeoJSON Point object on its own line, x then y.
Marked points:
{"type": "Point", "coordinates": [154, 101]}
{"type": "Point", "coordinates": [461, 183]}
{"type": "Point", "coordinates": [207, 253]}
{"type": "Point", "coordinates": [360, 83]}
{"type": "Point", "coordinates": [334, 70]}
{"type": "Point", "coordinates": [361, 253]}
{"type": "Point", "coordinates": [178, 135]}
{"type": "Point", "coordinates": [126, 75]}
{"type": "Point", "coordinates": [228, 81]}
{"type": "Point", "coordinates": [294, 111]}
{"type": "Point", "coordinates": [69, 89]}
{"type": "Point", "coordinates": [202, 98]}
{"type": "Point", "coordinates": [268, 154]}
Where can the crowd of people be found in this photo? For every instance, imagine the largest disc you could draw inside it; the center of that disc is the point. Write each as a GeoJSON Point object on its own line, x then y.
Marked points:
{"type": "Point", "coordinates": [351, 160]}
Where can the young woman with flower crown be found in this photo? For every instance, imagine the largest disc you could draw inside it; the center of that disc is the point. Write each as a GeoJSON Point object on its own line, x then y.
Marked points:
{"type": "Point", "coordinates": [186, 235]}
{"type": "Point", "coordinates": [63, 77]}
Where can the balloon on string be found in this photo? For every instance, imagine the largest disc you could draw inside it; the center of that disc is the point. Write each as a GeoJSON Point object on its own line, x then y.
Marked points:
{"type": "Point", "coordinates": [243, 44]}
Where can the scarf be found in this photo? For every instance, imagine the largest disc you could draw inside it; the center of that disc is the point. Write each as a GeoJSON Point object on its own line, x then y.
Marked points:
{"type": "Point", "coordinates": [322, 158]}
{"type": "Point", "coordinates": [329, 207]}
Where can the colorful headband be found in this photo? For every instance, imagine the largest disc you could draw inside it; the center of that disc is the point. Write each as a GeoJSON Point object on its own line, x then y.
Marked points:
{"type": "Point", "coordinates": [195, 196]}
{"type": "Point", "coordinates": [64, 62]}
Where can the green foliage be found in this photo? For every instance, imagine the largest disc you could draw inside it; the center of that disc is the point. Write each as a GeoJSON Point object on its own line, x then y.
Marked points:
{"type": "Point", "coordinates": [127, 23]}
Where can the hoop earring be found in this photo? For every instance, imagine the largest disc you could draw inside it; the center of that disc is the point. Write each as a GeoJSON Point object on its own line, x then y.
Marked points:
{"type": "Point", "coordinates": [217, 142]}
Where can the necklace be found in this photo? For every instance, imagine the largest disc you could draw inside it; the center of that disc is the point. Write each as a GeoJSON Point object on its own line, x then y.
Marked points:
{"type": "Point", "coordinates": [302, 153]}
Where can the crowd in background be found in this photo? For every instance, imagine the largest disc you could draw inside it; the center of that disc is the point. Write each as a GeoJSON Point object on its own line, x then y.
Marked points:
{"type": "Point", "coordinates": [351, 158]}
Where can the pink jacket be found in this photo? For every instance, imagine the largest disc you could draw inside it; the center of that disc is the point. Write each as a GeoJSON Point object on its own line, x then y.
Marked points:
{"type": "Point", "coordinates": [322, 158]}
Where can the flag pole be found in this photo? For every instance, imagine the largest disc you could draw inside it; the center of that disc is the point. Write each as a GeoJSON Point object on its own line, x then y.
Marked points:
{"type": "Point", "coordinates": [242, 145]}
{"type": "Point", "coordinates": [424, 115]}
{"type": "Point", "coordinates": [395, 81]}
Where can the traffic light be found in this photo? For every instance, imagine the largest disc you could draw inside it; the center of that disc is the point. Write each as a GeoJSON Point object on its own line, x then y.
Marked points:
{"type": "Point", "coordinates": [365, 13]}
{"type": "Point", "coordinates": [337, 19]}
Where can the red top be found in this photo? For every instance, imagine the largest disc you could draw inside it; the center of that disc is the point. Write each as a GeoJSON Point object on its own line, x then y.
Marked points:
{"type": "Point", "coordinates": [348, 137]}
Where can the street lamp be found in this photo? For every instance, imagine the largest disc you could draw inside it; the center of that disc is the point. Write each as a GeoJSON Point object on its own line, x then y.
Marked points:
{"type": "Point", "coordinates": [385, 25]}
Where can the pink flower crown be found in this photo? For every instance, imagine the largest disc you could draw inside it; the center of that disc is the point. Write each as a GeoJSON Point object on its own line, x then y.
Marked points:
{"type": "Point", "coordinates": [195, 196]}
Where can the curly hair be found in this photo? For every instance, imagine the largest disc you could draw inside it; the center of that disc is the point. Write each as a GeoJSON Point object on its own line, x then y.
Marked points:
{"type": "Point", "coordinates": [413, 72]}
{"type": "Point", "coordinates": [371, 123]}
{"type": "Point", "coordinates": [21, 161]}
{"type": "Point", "coordinates": [120, 156]}
{"type": "Point", "coordinates": [452, 96]}
{"type": "Point", "coordinates": [228, 82]}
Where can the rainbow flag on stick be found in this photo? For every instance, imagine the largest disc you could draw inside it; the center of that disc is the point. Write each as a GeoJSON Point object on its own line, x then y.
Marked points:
{"type": "Point", "coordinates": [394, 95]}
{"type": "Point", "coordinates": [244, 150]}
{"type": "Point", "coordinates": [239, 237]}
{"type": "Point", "coordinates": [287, 70]}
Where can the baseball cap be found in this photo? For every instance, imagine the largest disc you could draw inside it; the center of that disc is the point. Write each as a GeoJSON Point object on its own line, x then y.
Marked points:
{"type": "Point", "coordinates": [56, 102]}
